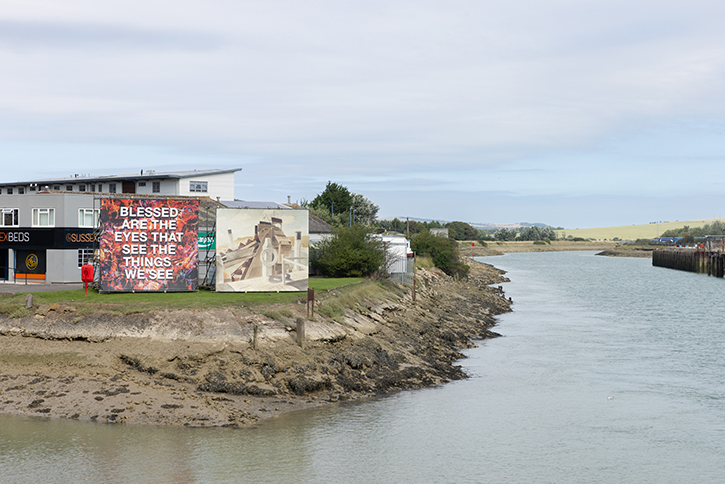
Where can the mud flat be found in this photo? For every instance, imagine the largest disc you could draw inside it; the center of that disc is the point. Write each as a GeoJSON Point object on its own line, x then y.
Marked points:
{"type": "Point", "coordinates": [203, 368]}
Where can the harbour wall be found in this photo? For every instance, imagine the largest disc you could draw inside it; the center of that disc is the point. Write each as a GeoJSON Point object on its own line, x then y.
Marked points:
{"type": "Point", "coordinates": [702, 261]}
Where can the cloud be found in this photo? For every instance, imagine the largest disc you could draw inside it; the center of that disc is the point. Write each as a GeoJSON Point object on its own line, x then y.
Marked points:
{"type": "Point", "coordinates": [422, 99]}
{"type": "Point", "coordinates": [24, 36]}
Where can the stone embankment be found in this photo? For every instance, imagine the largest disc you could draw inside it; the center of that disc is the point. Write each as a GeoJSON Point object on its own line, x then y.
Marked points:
{"type": "Point", "coordinates": [203, 367]}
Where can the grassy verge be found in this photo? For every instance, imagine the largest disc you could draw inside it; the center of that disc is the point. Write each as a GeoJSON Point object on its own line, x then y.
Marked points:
{"type": "Point", "coordinates": [128, 303]}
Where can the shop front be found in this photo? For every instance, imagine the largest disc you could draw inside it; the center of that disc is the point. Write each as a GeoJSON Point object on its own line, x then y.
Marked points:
{"type": "Point", "coordinates": [37, 255]}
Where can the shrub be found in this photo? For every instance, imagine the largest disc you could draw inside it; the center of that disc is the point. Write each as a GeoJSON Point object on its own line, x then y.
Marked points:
{"type": "Point", "coordinates": [442, 250]}
{"type": "Point", "coordinates": [350, 252]}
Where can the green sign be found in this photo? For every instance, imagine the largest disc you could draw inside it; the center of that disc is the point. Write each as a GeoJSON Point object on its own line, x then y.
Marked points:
{"type": "Point", "coordinates": [207, 240]}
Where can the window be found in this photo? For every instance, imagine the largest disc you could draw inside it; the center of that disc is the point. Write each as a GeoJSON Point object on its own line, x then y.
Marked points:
{"type": "Point", "coordinates": [9, 217]}
{"type": "Point", "coordinates": [81, 188]}
{"type": "Point", "coordinates": [33, 188]}
{"type": "Point", "coordinates": [111, 188]}
{"type": "Point", "coordinates": [21, 190]}
{"type": "Point", "coordinates": [142, 184]}
{"type": "Point", "coordinates": [93, 187]}
{"type": "Point", "coordinates": [69, 188]}
{"type": "Point", "coordinates": [87, 217]}
{"type": "Point", "coordinates": [10, 191]}
{"type": "Point", "coordinates": [100, 187]}
{"type": "Point", "coordinates": [43, 217]}
{"type": "Point", "coordinates": [197, 186]}
{"type": "Point", "coordinates": [156, 187]}
{"type": "Point", "coordinates": [56, 187]}
{"type": "Point", "coordinates": [85, 256]}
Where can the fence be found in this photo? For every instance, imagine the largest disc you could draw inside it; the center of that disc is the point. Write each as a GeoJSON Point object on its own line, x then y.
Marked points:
{"type": "Point", "coordinates": [402, 269]}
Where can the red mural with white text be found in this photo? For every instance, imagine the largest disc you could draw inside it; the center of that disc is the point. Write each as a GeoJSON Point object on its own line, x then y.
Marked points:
{"type": "Point", "coordinates": [149, 245]}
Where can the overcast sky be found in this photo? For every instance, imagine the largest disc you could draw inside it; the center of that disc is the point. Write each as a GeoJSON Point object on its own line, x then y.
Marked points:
{"type": "Point", "coordinates": [574, 113]}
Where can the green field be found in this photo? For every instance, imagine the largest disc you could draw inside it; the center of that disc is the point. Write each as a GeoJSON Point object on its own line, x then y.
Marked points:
{"type": "Point", "coordinates": [631, 232]}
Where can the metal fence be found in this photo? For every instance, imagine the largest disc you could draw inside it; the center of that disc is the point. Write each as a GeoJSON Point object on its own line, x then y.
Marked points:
{"type": "Point", "coordinates": [402, 269]}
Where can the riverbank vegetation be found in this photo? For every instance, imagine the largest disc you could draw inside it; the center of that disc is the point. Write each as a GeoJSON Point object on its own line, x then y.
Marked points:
{"type": "Point", "coordinates": [443, 251]}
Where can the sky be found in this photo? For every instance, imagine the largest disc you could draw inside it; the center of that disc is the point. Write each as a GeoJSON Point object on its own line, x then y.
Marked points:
{"type": "Point", "coordinates": [573, 113]}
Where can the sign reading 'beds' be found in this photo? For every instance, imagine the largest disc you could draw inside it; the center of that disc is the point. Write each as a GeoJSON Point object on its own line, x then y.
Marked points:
{"type": "Point", "coordinates": [149, 245]}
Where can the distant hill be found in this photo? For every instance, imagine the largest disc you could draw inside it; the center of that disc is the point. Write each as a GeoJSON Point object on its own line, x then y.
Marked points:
{"type": "Point", "coordinates": [632, 232]}
{"type": "Point", "coordinates": [478, 225]}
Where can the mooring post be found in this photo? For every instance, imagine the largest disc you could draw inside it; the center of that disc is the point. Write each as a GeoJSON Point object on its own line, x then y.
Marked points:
{"type": "Point", "coordinates": [254, 338]}
{"type": "Point", "coordinates": [301, 332]}
{"type": "Point", "coordinates": [311, 302]}
{"type": "Point", "coordinates": [28, 301]}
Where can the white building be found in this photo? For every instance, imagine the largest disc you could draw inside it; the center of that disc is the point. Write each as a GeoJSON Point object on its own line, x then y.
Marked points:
{"type": "Point", "coordinates": [401, 260]}
{"type": "Point", "coordinates": [215, 184]}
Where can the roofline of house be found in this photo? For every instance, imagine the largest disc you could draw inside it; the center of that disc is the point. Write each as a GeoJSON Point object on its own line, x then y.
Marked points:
{"type": "Point", "coordinates": [110, 178]}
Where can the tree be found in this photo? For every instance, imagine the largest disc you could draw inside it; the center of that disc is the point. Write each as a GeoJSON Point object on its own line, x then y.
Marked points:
{"type": "Point", "coordinates": [335, 199]}
{"type": "Point", "coordinates": [350, 252]}
{"type": "Point", "coordinates": [461, 231]}
{"type": "Point", "coordinates": [364, 211]}
{"type": "Point", "coordinates": [505, 234]}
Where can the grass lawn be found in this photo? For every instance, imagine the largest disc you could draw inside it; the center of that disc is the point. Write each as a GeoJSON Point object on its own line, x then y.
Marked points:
{"type": "Point", "coordinates": [147, 301]}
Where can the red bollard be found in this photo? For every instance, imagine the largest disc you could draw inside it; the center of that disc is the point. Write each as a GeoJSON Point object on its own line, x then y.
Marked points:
{"type": "Point", "coordinates": [86, 275]}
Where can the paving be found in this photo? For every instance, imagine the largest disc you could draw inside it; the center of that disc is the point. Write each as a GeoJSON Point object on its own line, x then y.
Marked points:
{"type": "Point", "coordinates": [10, 287]}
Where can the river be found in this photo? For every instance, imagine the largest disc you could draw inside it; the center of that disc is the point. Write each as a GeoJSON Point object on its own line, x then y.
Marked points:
{"type": "Point", "coordinates": [609, 370]}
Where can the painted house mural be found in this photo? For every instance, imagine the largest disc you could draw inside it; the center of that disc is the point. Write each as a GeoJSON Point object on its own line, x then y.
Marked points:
{"type": "Point", "coordinates": [260, 250]}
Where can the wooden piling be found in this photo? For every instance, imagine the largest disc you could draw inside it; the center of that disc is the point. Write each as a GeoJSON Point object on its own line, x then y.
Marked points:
{"type": "Point", "coordinates": [301, 332]}
{"type": "Point", "coordinates": [311, 302]}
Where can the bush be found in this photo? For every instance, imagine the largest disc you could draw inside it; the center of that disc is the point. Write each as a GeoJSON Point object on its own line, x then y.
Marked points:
{"type": "Point", "coordinates": [350, 252]}
{"type": "Point", "coordinates": [442, 250]}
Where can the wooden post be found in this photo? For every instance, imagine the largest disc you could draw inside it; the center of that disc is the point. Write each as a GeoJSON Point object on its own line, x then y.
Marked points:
{"type": "Point", "coordinates": [28, 301]}
{"type": "Point", "coordinates": [301, 332]}
{"type": "Point", "coordinates": [311, 302]}
{"type": "Point", "coordinates": [254, 338]}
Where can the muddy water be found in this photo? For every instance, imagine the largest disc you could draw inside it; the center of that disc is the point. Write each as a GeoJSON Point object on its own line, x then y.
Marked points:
{"type": "Point", "coordinates": [609, 370]}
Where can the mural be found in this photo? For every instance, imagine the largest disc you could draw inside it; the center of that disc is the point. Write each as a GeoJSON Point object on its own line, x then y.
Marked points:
{"type": "Point", "coordinates": [260, 250]}
{"type": "Point", "coordinates": [149, 245]}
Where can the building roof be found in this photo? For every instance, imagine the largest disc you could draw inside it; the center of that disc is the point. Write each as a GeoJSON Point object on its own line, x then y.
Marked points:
{"type": "Point", "coordinates": [143, 175]}
{"type": "Point", "coordinates": [248, 204]}
{"type": "Point", "coordinates": [319, 226]}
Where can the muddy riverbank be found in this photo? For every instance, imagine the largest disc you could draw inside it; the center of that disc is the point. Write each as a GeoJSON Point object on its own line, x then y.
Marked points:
{"type": "Point", "coordinates": [202, 367]}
